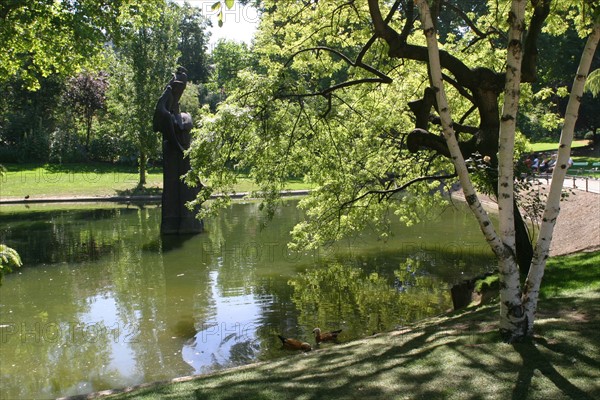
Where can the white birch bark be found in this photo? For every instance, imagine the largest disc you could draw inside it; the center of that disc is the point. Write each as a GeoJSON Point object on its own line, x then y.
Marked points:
{"type": "Point", "coordinates": [538, 263]}
{"type": "Point", "coordinates": [449, 135]}
{"type": "Point", "coordinates": [511, 311]}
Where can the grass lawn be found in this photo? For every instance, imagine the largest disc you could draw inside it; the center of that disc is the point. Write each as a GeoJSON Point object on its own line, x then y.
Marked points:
{"type": "Point", "coordinates": [553, 146]}
{"type": "Point", "coordinates": [454, 356]}
{"type": "Point", "coordinates": [581, 153]}
{"type": "Point", "coordinates": [94, 179]}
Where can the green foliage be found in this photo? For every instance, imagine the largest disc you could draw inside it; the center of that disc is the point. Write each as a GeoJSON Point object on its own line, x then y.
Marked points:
{"type": "Point", "coordinates": [592, 84]}
{"type": "Point", "coordinates": [229, 58]}
{"type": "Point", "coordinates": [62, 37]}
{"type": "Point", "coordinates": [315, 106]}
{"type": "Point", "coordinates": [27, 119]}
{"type": "Point", "coordinates": [71, 37]}
{"type": "Point", "coordinates": [193, 42]}
{"type": "Point", "coordinates": [218, 5]}
{"type": "Point", "coordinates": [190, 101]}
{"type": "Point", "coordinates": [9, 259]}
{"type": "Point", "coordinates": [145, 62]}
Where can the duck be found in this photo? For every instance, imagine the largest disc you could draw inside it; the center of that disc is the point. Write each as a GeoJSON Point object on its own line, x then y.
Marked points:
{"type": "Point", "coordinates": [294, 344]}
{"type": "Point", "coordinates": [327, 336]}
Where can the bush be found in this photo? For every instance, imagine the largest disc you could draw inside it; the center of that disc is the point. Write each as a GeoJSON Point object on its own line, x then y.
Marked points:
{"type": "Point", "coordinates": [65, 147]}
{"type": "Point", "coordinates": [589, 136]}
{"type": "Point", "coordinates": [104, 148]}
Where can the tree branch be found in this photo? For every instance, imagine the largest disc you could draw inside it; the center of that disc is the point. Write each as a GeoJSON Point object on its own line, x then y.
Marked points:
{"type": "Point", "coordinates": [465, 18]}
{"type": "Point", "coordinates": [398, 48]}
{"type": "Point", "coordinates": [530, 52]}
{"type": "Point", "coordinates": [390, 192]}
{"type": "Point", "coordinates": [358, 63]}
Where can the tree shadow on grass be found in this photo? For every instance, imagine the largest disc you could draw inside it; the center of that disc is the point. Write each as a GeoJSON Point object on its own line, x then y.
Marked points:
{"type": "Point", "coordinates": [460, 356]}
{"type": "Point", "coordinates": [534, 360]}
{"type": "Point", "coordinates": [560, 343]}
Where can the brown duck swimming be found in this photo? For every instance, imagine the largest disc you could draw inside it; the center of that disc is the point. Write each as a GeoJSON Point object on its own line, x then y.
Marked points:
{"type": "Point", "coordinates": [325, 337]}
{"type": "Point", "coordinates": [294, 344]}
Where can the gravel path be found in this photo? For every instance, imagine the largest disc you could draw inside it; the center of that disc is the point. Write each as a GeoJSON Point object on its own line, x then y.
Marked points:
{"type": "Point", "coordinates": [578, 225]}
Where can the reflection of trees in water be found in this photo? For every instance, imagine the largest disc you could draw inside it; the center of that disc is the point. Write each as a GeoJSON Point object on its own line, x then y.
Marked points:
{"type": "Point", "coordinates": [337, 295]}
{"type": "Point", "coordinates": [166, 289]}
{"type": "Point", "coordinates": [47, 343]}
{"type": "Point", "coordinates": [71, 236]}
{"type": "Point", "coordinates": [59, 360]}
{"type": "Point", "coordinates": [161, 291]}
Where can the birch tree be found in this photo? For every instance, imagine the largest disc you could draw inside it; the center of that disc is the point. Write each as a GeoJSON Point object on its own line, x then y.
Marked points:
{"type": "Point", "coordinates": [517, 306]}
{"type": "Point", "coordinates": [330, 108]}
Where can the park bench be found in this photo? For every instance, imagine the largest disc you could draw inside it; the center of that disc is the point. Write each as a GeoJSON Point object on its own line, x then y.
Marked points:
{"type": "Point", "coordinates": [578, 168]}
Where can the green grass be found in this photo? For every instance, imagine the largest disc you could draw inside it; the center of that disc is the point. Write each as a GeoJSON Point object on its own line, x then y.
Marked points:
{"type": "Point", "coordinates": [590, 157]}
{"type": "Point", "coordinates": [455, 356]}
{"type": "Point", "coordinates": [94, 179]}
{"type": "Point", "coordinates": [72, 180]}
{"type": "Point", "coordinates": [553, 146]}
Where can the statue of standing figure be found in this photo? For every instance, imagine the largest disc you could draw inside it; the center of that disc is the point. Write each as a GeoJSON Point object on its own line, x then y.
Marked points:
{"type": "Point", "coordinates": [175, 127]}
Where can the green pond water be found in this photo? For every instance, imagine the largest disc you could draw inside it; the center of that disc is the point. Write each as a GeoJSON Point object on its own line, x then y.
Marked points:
{"type": "Point", "coordinates": [105, 302]}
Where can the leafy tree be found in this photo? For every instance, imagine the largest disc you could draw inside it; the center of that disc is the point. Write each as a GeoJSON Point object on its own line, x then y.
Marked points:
{"type": "Point", "coordinates": [193, 43]}
{"type": "Point", "coordinates": [86, 95]}
{"type": "Point", "coordinates": [334, 108]}
{"type": "Point", "coordinates": [28, 118]}
{"type": "Point", "coordinates": [228, 58]}
{"type": "Point", "coordinates": [545, 100]}
{"type": "Point", "coordinates": [41, 38]}
{"type": "Point", "coordinates": [150, 53]}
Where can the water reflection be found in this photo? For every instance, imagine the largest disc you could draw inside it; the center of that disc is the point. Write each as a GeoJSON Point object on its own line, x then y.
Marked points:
{"type": "Point", "coordinates": [104, 301]}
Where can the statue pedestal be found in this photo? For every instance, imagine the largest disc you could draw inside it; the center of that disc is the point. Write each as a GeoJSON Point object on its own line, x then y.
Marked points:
{"type": "Point", "coordinates": [177, 219]}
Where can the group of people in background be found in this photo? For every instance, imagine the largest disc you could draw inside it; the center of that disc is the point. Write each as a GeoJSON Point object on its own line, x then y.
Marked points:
{"type": "Point", "coordinates": [543, 162]}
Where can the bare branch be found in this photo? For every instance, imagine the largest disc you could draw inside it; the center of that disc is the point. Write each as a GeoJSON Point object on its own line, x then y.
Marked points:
{"type": "Point", "coordinates": [465, 18]}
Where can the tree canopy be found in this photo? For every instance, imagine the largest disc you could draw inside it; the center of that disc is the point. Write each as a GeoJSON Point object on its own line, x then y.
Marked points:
{"type": "Point", "coordinates": [61, 37]}
{"type": "Point", "coordinates": [344, 97]}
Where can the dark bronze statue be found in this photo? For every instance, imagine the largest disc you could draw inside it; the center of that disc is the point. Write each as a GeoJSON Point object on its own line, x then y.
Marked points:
{"type": "Point", "coordinates": [175, 127]}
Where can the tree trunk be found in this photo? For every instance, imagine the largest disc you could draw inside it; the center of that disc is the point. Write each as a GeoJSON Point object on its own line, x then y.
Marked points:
{"type": "Point", "coordinates": [512, 321]}
{"type": "Point", "coordinates": [143, 164]}
{"type": "Point", "coordinates": [88, 133]}
{"type": "Point", "coordinates": [449, 135]}
{"type": "Point", "coordinates": [538, 264]}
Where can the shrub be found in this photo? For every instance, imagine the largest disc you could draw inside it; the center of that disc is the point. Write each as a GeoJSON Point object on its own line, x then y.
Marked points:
{"type": "Point", "coordinates": [589, 136]}
{"type": "Point", "coordinates": [65, 147]}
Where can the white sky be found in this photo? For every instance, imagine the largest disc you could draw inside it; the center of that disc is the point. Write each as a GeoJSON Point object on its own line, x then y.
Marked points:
{"type": "Point", "coordinates": [239, 23]}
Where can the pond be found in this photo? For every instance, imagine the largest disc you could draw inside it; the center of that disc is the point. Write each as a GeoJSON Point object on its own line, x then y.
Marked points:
{"type": "Point", "coordinates": [105, 302]}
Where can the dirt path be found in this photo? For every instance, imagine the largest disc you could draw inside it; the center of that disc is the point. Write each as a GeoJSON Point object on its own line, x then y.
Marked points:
{"type": "Point", "coordinates": [578, 226]}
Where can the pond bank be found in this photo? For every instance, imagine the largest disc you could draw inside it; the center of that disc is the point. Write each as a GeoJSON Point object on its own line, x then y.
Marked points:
{"type": "Point", "coordinates": [454, 356]}
{"type": "Point", "coordinates": [153, 198]}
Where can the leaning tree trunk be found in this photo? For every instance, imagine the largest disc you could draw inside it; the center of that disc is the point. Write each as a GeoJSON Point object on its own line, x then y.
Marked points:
{"type": "Point", "coordinates": [538, 264]}
{"type": "Point", "coordinates": [512, 322]}
{"type": "Point", "coordinates": [449, 135]}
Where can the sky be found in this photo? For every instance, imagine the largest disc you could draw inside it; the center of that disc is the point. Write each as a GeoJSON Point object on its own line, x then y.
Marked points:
{"type": "Point", "coordinates": [239, 23]}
